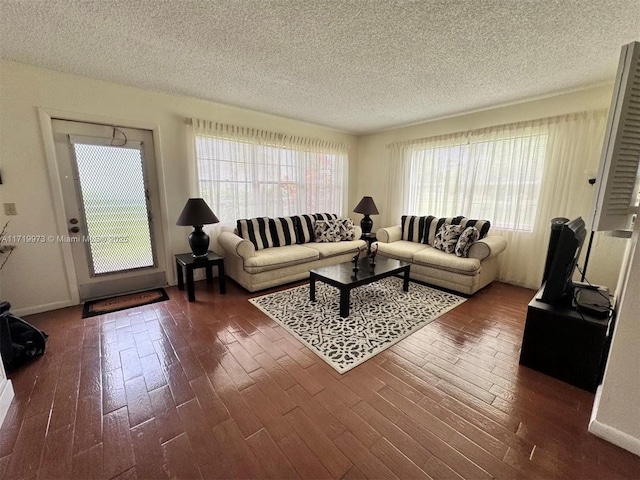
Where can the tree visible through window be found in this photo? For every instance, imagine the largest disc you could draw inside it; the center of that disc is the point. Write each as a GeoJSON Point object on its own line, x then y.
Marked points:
{"type": "Point", "coordinates": [241, 179]}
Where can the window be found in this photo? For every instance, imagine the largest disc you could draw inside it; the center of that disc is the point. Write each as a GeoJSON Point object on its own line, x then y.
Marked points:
{"type": "Point", "coordinates": [497, 178]}
{"type": "Point", "coordinates": [243, 178]}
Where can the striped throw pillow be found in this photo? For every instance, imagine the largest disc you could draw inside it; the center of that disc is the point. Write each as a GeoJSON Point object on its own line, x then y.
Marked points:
{"type": "Point", "coordinates": [257, 231]}
{"type": "Point", "coordinates": [283, 231]}
{"type": "Point", "coordinates": [413, 228]}
{"type": "Point", "coordinates": [304, 228]}
{"type": "Point", "coordinates": [325, 216]}
{"type": "Point", "coordinates": [483, 226]}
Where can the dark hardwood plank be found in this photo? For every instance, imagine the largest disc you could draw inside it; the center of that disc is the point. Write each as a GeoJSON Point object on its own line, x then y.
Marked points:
{"type": "Point", "coordinates": [117, 445]}
{"type": "Point", "coordinates": [216, 389]}
{"type": "Point", "coordinates": [25, 459]}
{"type": "Point", "coordinates": [270, 457]}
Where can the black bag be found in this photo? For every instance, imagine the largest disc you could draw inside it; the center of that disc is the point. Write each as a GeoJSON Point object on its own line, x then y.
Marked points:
{"type": "Point", "coordinates": [19, 341]}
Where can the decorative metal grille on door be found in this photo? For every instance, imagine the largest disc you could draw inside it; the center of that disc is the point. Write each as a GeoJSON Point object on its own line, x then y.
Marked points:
{"type": "Point", "coordinates": [116, 211]}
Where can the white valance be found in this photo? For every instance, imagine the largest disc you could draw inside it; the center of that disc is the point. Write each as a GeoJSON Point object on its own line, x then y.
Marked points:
{"type": "Point", "coordinates": [264, 137]}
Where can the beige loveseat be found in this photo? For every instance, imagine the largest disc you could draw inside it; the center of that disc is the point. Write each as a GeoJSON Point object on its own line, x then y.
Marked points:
{"type": "Point", "coordinates": [466, 275]}
{"type": "Point", "coordinates": [259, 268]}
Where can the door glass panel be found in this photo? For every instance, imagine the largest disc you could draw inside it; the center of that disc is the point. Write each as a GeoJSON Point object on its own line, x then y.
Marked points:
{"type": "Point", "coordinates": [113, 190]}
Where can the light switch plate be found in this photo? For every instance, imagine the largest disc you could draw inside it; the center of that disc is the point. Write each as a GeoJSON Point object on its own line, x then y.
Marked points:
{"type": "Point", "coordinates": [10, 209]}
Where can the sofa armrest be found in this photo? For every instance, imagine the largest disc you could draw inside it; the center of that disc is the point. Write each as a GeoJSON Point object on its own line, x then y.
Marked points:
{"type": "Point", "coordinates": [488, 247]}
{"type": "Point", "coordinates": [358, 233]}
{"type": "Point", "coordinates": [235, 245]}
{"type": "Point", "coordinates": [389, 234]}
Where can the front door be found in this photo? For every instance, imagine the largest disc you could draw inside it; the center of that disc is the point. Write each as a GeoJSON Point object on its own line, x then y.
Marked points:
{"type": "Point", "coordinates": [110, 191]}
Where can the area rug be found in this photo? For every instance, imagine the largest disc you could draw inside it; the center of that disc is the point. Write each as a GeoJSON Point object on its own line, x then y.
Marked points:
{"type": "Point", "coordinates": [122, 302]}
{"type": "Point", "coordinates": [381, 315]}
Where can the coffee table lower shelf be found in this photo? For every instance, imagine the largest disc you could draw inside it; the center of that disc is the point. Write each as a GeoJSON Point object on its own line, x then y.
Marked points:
{"type": "Point", "coordinates": [345, 279]}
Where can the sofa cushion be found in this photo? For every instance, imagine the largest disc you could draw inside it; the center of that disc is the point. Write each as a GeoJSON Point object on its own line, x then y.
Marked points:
{"type": "Point", "coordinates": [414, 227]}
{"type": "Point", "coordinates": [326, 231]}
{"type": "Point", "coordinates": [447, 237]}
{"type": "Point", "coordinates": [434, 226]}
{"type": "Point", "coordinates": [465, 241]}
{"type": "Point", "coordinates": [326, 250]}
{"type": "Point", "coordinates": [432, 257]}
{"type": "Point", "coordinates": [483, 226]}
{"type": "Point", "coordinates": [325, 216]}
{"type": "Point", "coordinates": [283, 231]}
{"type": "Point", "coordinates": [400, 250]}
{"type": "Point", "coordinates": [423, 229]}
{"type": "Point", "coordinates": [257, 231]}
{"type": "Point", "coordinates": [334, 230]}
{"type": "Point", "coordinates": [304, 228]}
{"type": "Point", "coordinates": [347, 229]}
{"type": "Point", "coordinates": [274, 258]}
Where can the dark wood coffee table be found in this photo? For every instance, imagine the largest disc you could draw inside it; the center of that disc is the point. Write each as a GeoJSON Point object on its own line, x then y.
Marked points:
{"type": "Point", "coordinates": [345, 279]}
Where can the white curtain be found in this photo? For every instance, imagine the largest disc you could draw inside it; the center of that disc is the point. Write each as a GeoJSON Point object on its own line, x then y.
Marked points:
{"type": "Point", "coordinates": [398, 180]}
{"type": "Point", "coordinates": [518, 176]}
{"type": "Point", "coordinates": [244, 173]}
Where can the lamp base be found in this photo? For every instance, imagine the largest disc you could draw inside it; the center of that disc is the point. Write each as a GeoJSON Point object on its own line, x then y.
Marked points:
{"type": "Point", "coordinates": [199, 242]}
{"type": "Point", "coordinates": [366, 224]}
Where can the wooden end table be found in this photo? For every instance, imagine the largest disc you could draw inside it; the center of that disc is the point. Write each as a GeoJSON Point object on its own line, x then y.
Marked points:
{"type": "Point", "coordinates": [369, 238]}
{"type": "Point", "coordinates": [190, 263]}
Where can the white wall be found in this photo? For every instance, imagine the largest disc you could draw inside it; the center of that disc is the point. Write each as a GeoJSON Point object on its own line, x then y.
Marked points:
{"type": "Point", "coordinates": [34, 278]}
{"type": "Point", "coordinates": [606, 257]}
{"type": "Point", "coordinates": [616, 412]}
{"type": "Point", "coordinates": [6, 393]}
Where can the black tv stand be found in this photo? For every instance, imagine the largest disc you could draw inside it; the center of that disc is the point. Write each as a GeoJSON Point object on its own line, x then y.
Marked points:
{"type": "Point", "coordinates": [566, 344]}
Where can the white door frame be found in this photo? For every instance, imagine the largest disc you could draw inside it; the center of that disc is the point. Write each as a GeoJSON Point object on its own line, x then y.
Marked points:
{"type": "Point", "coordinates": [46, 115]}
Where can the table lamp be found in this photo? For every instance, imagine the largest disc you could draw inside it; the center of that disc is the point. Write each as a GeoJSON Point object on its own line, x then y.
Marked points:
{"type": "Point", "coordinates": [197, 213]}
{"type": "Point", "coordinates": [366, 207]}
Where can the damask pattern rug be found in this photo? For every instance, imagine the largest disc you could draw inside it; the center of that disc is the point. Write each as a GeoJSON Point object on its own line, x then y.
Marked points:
{"type": "Point", "coordinates": [381, 315]}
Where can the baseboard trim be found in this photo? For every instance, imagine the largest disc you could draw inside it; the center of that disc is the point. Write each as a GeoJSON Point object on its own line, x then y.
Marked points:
{"type": "Point", "coordinates": [615, 436]}
{"type": "Point", "coordinates": [6, 395]}
{"type": "Point", "coordinates": [42, 308]}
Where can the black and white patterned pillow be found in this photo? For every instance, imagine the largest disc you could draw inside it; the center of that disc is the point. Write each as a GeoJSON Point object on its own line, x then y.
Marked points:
{"type": "Point", "coordinates": [447, 237]}
{"type": "Point", "coordinates": [347, 229]}
{"type": "Point", "coordinates": [334, 230]}
{"type": "Point", "coordinates": [467, 237]}
{"type": "Point", "coordinates": [327, 231]}
{"type": "Point", "coordinates": [433, 225]}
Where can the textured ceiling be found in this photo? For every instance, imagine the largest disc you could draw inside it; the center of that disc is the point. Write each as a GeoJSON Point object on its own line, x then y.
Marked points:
{"type": "Point", "coordinates": [358, 66]}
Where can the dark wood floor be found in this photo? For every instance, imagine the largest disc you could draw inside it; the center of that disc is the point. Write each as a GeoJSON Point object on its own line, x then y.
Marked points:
{"type": "Point", "coordinates": [216, 389]}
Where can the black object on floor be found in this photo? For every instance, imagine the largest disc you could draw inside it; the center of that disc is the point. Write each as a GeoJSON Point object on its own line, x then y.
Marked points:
{"type": "Point", "coordinates": [19, 340]}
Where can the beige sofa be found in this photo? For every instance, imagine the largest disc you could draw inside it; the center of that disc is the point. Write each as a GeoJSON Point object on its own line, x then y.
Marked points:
{"type": "Point", "coordinates": [259, 269]}
{"type": "Point", "coordinates": [446, 270]}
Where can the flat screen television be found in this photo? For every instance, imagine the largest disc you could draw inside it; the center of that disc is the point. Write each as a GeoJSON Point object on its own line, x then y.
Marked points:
{"type": "Point", "coordinates": [559, 284]}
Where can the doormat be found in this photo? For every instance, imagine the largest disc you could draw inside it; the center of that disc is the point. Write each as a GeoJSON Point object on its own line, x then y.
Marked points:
{"type": "Point", "coordinates": [381, 315]}
{"type": "Point", "coordinates": [122, 302]}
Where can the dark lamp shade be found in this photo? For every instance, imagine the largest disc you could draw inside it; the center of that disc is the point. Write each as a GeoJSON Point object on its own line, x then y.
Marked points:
{"type": "Point", "coordinates": [196, 212]}
{"type": "Point", "coordinates": [366, 206]}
